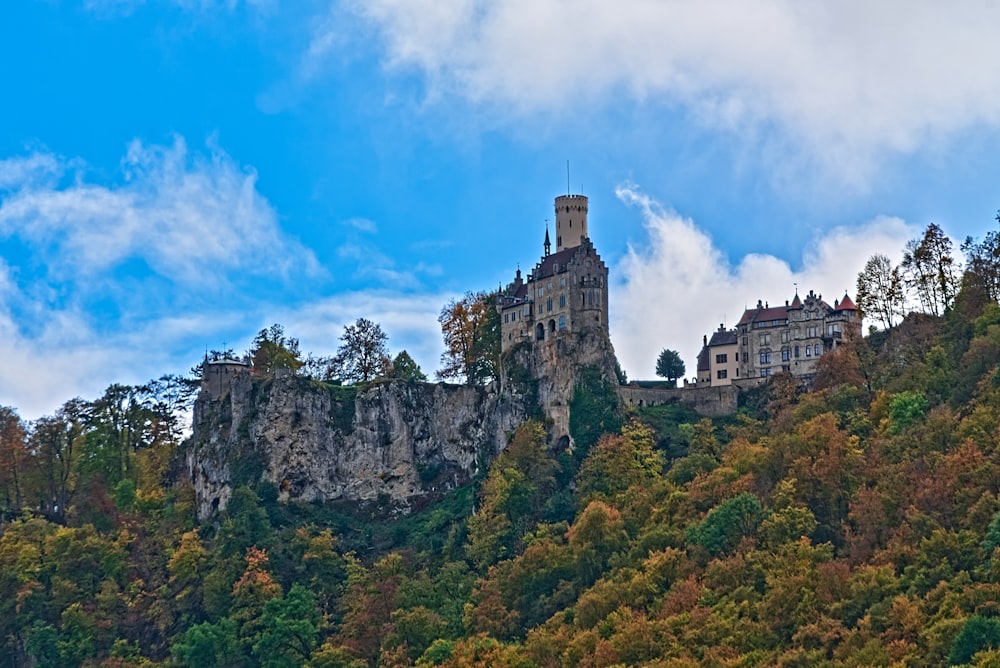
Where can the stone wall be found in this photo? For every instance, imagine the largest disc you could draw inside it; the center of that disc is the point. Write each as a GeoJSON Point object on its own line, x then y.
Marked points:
{"type": "Point", "coordinates": [394, 441]}
{"type": "Point", "coordinates": [708, 401]}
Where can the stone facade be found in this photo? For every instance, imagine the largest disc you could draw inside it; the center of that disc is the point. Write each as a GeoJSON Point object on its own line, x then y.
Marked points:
{"type": "Point", "coordinates": [566, 292]}
{"type": "Point", "coordinates": [792, 337]}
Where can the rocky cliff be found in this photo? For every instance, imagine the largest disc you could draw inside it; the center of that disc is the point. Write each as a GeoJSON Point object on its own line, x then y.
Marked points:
{"type": "Point", "coordinates": [393, 442]}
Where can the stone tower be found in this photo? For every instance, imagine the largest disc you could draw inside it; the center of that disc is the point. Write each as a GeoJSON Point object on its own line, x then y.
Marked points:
{"type": "Point", "coordinates": [571, 221]}
{"type": "Point", "coordinates": [554, 322]}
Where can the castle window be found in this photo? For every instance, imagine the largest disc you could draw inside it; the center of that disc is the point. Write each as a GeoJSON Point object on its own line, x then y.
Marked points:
{"type": "Point", "coordinates": [721, 373]}
{"type": "Point", "coordinates": [765, 357]}
{"type": "Point", "coordinates": [562, 301]}
{"type": "Point", "coordinates": [808, 351]}
{"type": "Point", "coordinates": [722, 358]}
{"type": "Point", "coordinates": [816, 350]}
{"type": "Point", "coordinates": [548, 304]}
{"type": "Point", "coordinates": [784, 337]}
{"type": "Point", "coordinates": [540, 332]}
{"type": "Point", "coordinates": [796, 351]}
{"type": "Point", "coordinates": [786, 354]}
{"type": "Point", "coordinates": [562, 322]}
{"type": "Point", "coordinates": [765, 372]}
{"type": "Point", "coordinates": [552, 325]}
{"type": "Point", "coordinates": [562, 282]}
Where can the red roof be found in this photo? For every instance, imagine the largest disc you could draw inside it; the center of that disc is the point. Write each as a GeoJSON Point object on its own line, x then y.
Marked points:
{"type": "Point", "coordinates": [764, 314]}
{"type": "Point", "coordinates": [846, 304]}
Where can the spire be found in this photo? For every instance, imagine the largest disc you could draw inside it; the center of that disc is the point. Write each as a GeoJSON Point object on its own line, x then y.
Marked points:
{"type": "Point", "coordinates": [548, 244]}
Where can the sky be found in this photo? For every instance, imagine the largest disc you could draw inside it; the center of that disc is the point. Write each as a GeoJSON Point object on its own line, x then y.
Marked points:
{"type": "Point", "coordinates": [176, 175]}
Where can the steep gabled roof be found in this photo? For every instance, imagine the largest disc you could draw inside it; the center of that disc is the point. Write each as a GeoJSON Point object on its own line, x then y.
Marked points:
{"type": "Point", "coordinates": [704, 359]}
{"type": "Point", "coordinates": [547, 266]}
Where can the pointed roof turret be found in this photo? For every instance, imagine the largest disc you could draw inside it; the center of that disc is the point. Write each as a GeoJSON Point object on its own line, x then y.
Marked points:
{"type": "Point", "coordinates": [796, 303]}
{"type": "Point", "coordinates": [846, 304]}
{"type": "Point", "coordinates": [548, 244]}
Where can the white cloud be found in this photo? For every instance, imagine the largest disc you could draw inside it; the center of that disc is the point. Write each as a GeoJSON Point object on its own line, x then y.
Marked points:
{"type": "Point", "coordinates": [677, 285]}
{"type": "Point", "coordinates": [190, 218]}
{"type": "Point", "coordinates": [845, 81]}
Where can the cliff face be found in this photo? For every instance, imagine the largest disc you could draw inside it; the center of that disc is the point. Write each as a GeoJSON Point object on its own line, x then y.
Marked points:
{"type": "Point", "coordinates": [553, 368]}
{"type": "Point", "coordinates": [393, 442]}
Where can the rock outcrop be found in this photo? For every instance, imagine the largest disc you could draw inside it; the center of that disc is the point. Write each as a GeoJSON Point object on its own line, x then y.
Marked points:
{"type": "Point", "coordinates": [393, 442]}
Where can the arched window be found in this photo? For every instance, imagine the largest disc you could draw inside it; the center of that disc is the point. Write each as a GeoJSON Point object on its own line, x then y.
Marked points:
{"type": "Point", "coordinates": [562, 322]}
{"type": "Point", "coordinates": [552, 325]}
{"type": "Point", "coordinates": [540, 332]}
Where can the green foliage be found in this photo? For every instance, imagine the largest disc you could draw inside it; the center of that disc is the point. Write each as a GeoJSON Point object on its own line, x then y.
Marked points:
{"type": "Point", "coordinates": [727, 524]}
{"type": "Point", "coordinates": [978, 633]}
{"type": "Point", "coordinates": [669, 365]}
{"type": "Point", "coordinates": [905, 409]}
{"type": "Point", "coordinates": [363, 355]}
{"type": "Point", "coordinates": [272, 350]}
{"type": "Point", "coordinates": [405, 368]}
{"type": "Point", "coordinates": [593, 410]}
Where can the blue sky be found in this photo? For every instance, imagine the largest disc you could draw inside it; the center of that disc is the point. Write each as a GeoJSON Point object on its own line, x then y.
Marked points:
{"type": "Point", "coordinates": [176, 175]}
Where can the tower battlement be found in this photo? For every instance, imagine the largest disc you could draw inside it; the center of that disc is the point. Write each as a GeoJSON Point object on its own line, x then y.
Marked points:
{"type": "Point", "coordinates": [571, 220]}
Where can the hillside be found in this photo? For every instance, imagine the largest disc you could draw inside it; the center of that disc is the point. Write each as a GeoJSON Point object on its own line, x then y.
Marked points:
{"type": "Point", "coordinates": [854, 524]}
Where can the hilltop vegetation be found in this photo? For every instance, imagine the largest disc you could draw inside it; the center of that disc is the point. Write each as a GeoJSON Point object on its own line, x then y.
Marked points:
{"type": "Point", "coordinates": [855, 524]}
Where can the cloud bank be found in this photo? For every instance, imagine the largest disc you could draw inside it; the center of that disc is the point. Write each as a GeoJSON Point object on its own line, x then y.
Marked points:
{"type": "Point", "coordinates": [677, 286]}
{"type": "Point", "coordinates": [843, 81]}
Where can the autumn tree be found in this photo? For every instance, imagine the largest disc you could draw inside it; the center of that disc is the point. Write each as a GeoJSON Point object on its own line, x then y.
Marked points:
{"type": "Point", "coordinates": [363, 355]}
{"type": "Point", "coordinates": [13, 459]}
{"type": "Point", "coordinates": [272, 350]}
{"type": "Point", "coordinates": [982, 262]}
{"type": "Point", "coordinates": [471, 329]}
{"type": "Point", "coordinates": [669, 365]}
{"type": "Point", "coordinates": [931, 271]}
{"type": "Point", "coordinates": [880, 291]}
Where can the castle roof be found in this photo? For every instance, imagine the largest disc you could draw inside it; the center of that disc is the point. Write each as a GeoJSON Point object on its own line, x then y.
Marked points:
{"type": "Point", "coordinates": [549, 264]}
{"type": "Point", "coordinates": [704, 359]}
{"type": "Point", "coordinates": [762, 314]}
{"type": "Point", "coordinates": [846, 304]}
{"type": "Point", "coordinates": [796, 303]}
{"type": "Point", "coordinates": [723, 338]}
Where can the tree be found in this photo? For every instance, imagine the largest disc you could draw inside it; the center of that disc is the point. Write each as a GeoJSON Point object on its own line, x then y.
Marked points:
{"type": "Point", "coordinates": [931, 270]}
{"type": "Point", "coordinates": [471, 329]}
{"type": "Point", "coordinates": [669, 365]}
{"type": "Point", "coordinates": [880, 291]}
{"type": "Point", "coordinates": [363, 355]}
{"type": "Point", "coordinates": [405, 368]}
{"type": "Point", "coordinates": [13, 458]}
{"type": "Point", "coordinates": [983, 262]}
{"type": "Point", "coordinates": [272, 350]}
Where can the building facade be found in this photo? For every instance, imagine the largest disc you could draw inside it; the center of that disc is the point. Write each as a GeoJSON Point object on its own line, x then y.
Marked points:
{"type": "Point", "coordinates": [719, 360]}
{"type": "Point", "coordinates": [793, 337]}
{"type": "Point", "coordinates": [567, 291]}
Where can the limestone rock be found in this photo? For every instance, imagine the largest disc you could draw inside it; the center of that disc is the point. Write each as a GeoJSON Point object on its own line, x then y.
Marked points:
{"type": "Point", "coordinates": [394, 442]}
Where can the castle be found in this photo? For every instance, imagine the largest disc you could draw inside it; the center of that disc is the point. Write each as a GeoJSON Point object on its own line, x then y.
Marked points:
{"type": "Point", "coordinates": [567, 291]}
{"type": "Point", "coordinates": [769, 339]}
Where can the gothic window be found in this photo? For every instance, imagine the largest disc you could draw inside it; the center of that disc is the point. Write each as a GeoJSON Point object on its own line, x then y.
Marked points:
{"type": "Point", "coordinates": [552, 325]}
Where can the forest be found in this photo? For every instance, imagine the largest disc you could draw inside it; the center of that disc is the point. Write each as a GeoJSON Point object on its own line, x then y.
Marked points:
{"type": "Point", "coordinates": [854, 522]}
